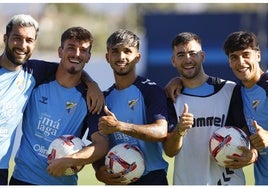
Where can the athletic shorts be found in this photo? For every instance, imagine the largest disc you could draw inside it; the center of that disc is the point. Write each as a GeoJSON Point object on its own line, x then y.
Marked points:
{"type": "Point", "coordinates": [3, 176]}
{"type": "Point", "coordinates": [156, 177]}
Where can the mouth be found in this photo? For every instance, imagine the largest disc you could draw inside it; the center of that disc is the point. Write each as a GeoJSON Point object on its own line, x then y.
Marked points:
{"type": "Point", "coordinates": [20, 52]}
{"type": "Point", "coordinates": [121, 64]}
{"type": "Point", "coordinates": [74, 61]}
{"type": "Point", "coordinates": [243, 69]}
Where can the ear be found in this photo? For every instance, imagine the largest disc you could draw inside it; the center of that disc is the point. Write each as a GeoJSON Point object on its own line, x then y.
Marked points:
{"type": "Point", "coordinates": [203, 55]}
{"type": "Point", "coordinates": [60, 52]}
{"type": "Point", "coordinates": [173, 61]}
{"type": "Point", "coordinates": [259, 55]}
{"type": "Point", "coordinates": [107, 58]}
{"type": "Point", "coordinates": [5, 38]}
{"type": "Point", "coordinates": [138, 57]}
{"type": "Point", "coordinates": [88, 58]}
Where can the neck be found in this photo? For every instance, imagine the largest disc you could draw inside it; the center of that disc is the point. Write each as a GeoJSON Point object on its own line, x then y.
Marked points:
{"type": "Point", "coordinates": [251, 82]}
{"type": "Point", "coordinates": [125, 81]}
{"type": "Point", "coordinates": [195, 82]}
{"type": "Point", "coordinates": [66, 79]}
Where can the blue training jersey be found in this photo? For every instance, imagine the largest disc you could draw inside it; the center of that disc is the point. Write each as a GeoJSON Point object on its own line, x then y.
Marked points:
{"type": "Point", "coordinates": [256, 108]}
{"type": "Point", "coordinates": [15, 90]}
{"type": "Point", "coordinates": [52, 111]}
{"type": "Point", "coordinates": [141, 103]}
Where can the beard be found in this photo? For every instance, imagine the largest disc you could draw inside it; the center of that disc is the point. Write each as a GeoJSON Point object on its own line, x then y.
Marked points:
{"type": "Point", "coordinates": [12, 57]}
{"type": "Point", "coordinates": [73, 71]}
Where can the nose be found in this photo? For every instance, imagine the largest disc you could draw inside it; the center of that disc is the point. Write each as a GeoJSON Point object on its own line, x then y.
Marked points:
{"type": "Point", "coordinates": [122, 55]}
{"type": "Point", "coordinates": [77, 52]}
{"type": "Point", "coordinates": [240, 60]}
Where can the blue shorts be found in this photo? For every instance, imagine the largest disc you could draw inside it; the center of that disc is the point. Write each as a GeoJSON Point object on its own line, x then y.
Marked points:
{"type": "Point", "coordinates": [3, 176]}
{"type": "Point", "coordinates": [156, 177]}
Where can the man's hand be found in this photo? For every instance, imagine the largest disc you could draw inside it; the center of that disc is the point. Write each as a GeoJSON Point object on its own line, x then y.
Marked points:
{"type": "Point", "coordinates": [95, 98]}
{"type": "Point", "coordinates": [173, 88]}
{"type": "Point", "coordinates": [248, 157]}
{"type": "Point", "coordinates": [103, 175]}
{"type": "Point", "coordinates": [186, 121]}
{"type": "Point", "coordinates": [108, 124]}
{"type": "Point", "coordinates": [259, 140]}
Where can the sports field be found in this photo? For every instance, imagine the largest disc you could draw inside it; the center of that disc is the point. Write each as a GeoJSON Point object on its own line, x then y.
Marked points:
{"type": "Point", "coordinates": [87, 175]}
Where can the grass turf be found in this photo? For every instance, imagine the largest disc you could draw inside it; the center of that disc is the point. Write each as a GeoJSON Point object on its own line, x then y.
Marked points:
{"type": "Point", "coordinates": [87, 174]}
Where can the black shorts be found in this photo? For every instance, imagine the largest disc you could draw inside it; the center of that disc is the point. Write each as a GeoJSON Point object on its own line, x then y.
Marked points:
{"type": "Point", "coordinates": [3, 176]}
{"type": "Point", "coordinates": [156, 177]}
{"type": "Point", "coordinates": [14, 181]}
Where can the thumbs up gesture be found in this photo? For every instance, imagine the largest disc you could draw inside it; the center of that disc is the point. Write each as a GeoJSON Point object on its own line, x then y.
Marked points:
{"type": "Point", "coordinates": [108, 124]}
{"type": "Point", "coordinates": [186, 121]}
{"type": "Point", "coordinates": [260, 139]}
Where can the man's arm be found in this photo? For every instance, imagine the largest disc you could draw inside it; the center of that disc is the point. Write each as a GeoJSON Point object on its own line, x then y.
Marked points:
{"type": "Point", "coordinates": [156, 131]}
{"type": "Point", "coordinates": [95, 98]}
{"type": "Point", "coordinates": [173, 143]}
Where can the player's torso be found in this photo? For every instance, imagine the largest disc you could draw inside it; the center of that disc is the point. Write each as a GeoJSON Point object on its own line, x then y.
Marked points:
{"type": "Point", "coordinates": [52, 111]}
{"type": "Point", "coordinates": [15, 90]}
{"type": "Point", "coordinates": [210, 113]}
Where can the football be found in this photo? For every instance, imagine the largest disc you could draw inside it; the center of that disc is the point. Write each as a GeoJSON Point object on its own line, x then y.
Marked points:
{"type": "Point", "coordinates": [128, 160]}
{"type": "Point", "coordinates": [225, 141]}
{"type": "Point", "coordinates": [65, 145]}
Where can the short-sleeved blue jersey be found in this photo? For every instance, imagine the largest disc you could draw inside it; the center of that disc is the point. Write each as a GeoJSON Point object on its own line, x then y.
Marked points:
{"type": "Point", "coordinates": [15, 90]}
{"type": "Point", "coordinates": [52, 111]}
{"type": "Point", "coordinates": [255, 100]}
{"type": "Point", "coordinates": [141, 103]}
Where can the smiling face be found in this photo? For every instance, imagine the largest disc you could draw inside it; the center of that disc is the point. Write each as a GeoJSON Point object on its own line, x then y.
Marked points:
{"type": "Point", "coordinates": [245, 65]}
{"type": "Point", "coordinates": [188, 59]}
{"type": "Point", "coordinates": [122, 59]}
{"type": "Point", "coordinates": [20, 43]}
{"type": "Point", "coordinates": [74, 55]}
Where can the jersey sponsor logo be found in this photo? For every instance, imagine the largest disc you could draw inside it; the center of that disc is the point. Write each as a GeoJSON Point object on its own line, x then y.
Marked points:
{"type": "Point", "coordinates": [209, 121]}
{"type": "Point", "coordinates": [70, 107]}
{"type": "Point", "coordinates": [41, 150]}
{"type": "Point", "coordinates": [7, 109]}
{"type": "Point", "coordinates": [3, 132]}
{"type": "Point", "coordinates": [132, 103]}
{"type": "Point", "coordinates": [255, 104]}
{"type": "Point", "coordinates": [47, 126]}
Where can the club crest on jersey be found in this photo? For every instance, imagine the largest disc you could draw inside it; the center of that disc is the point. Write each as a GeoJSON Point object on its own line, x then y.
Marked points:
{"type": "Point", "coordinates": [255, 104]}
{"type": "Point", "coordinates": [70, 106]}
{"type": "Point", "coordinates": [132, 103]}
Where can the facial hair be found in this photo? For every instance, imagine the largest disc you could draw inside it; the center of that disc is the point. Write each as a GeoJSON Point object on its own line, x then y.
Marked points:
{"type": "Point", "coordinates": [12, 58]}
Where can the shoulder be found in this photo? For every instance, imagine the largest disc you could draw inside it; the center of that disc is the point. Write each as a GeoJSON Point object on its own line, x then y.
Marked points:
{"type": "Point", "coordinates": [219, 83]}
{"type": "Point", "coordinates": [263, 82]}
{"type": "Point", "coordinates": [146, 84]}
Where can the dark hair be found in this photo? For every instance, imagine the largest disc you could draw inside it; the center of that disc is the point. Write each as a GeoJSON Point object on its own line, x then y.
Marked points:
{"type": "Point", "coordinates": [184, 38]}
{"type": "Point", "coordinates": [22, 20]}
{"type": "Point", "coordinates": [125, 37]}
{"type": "Point", "coordinates": [77, 33]}
{"type": "Point", "coordinates": [240, 40]}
